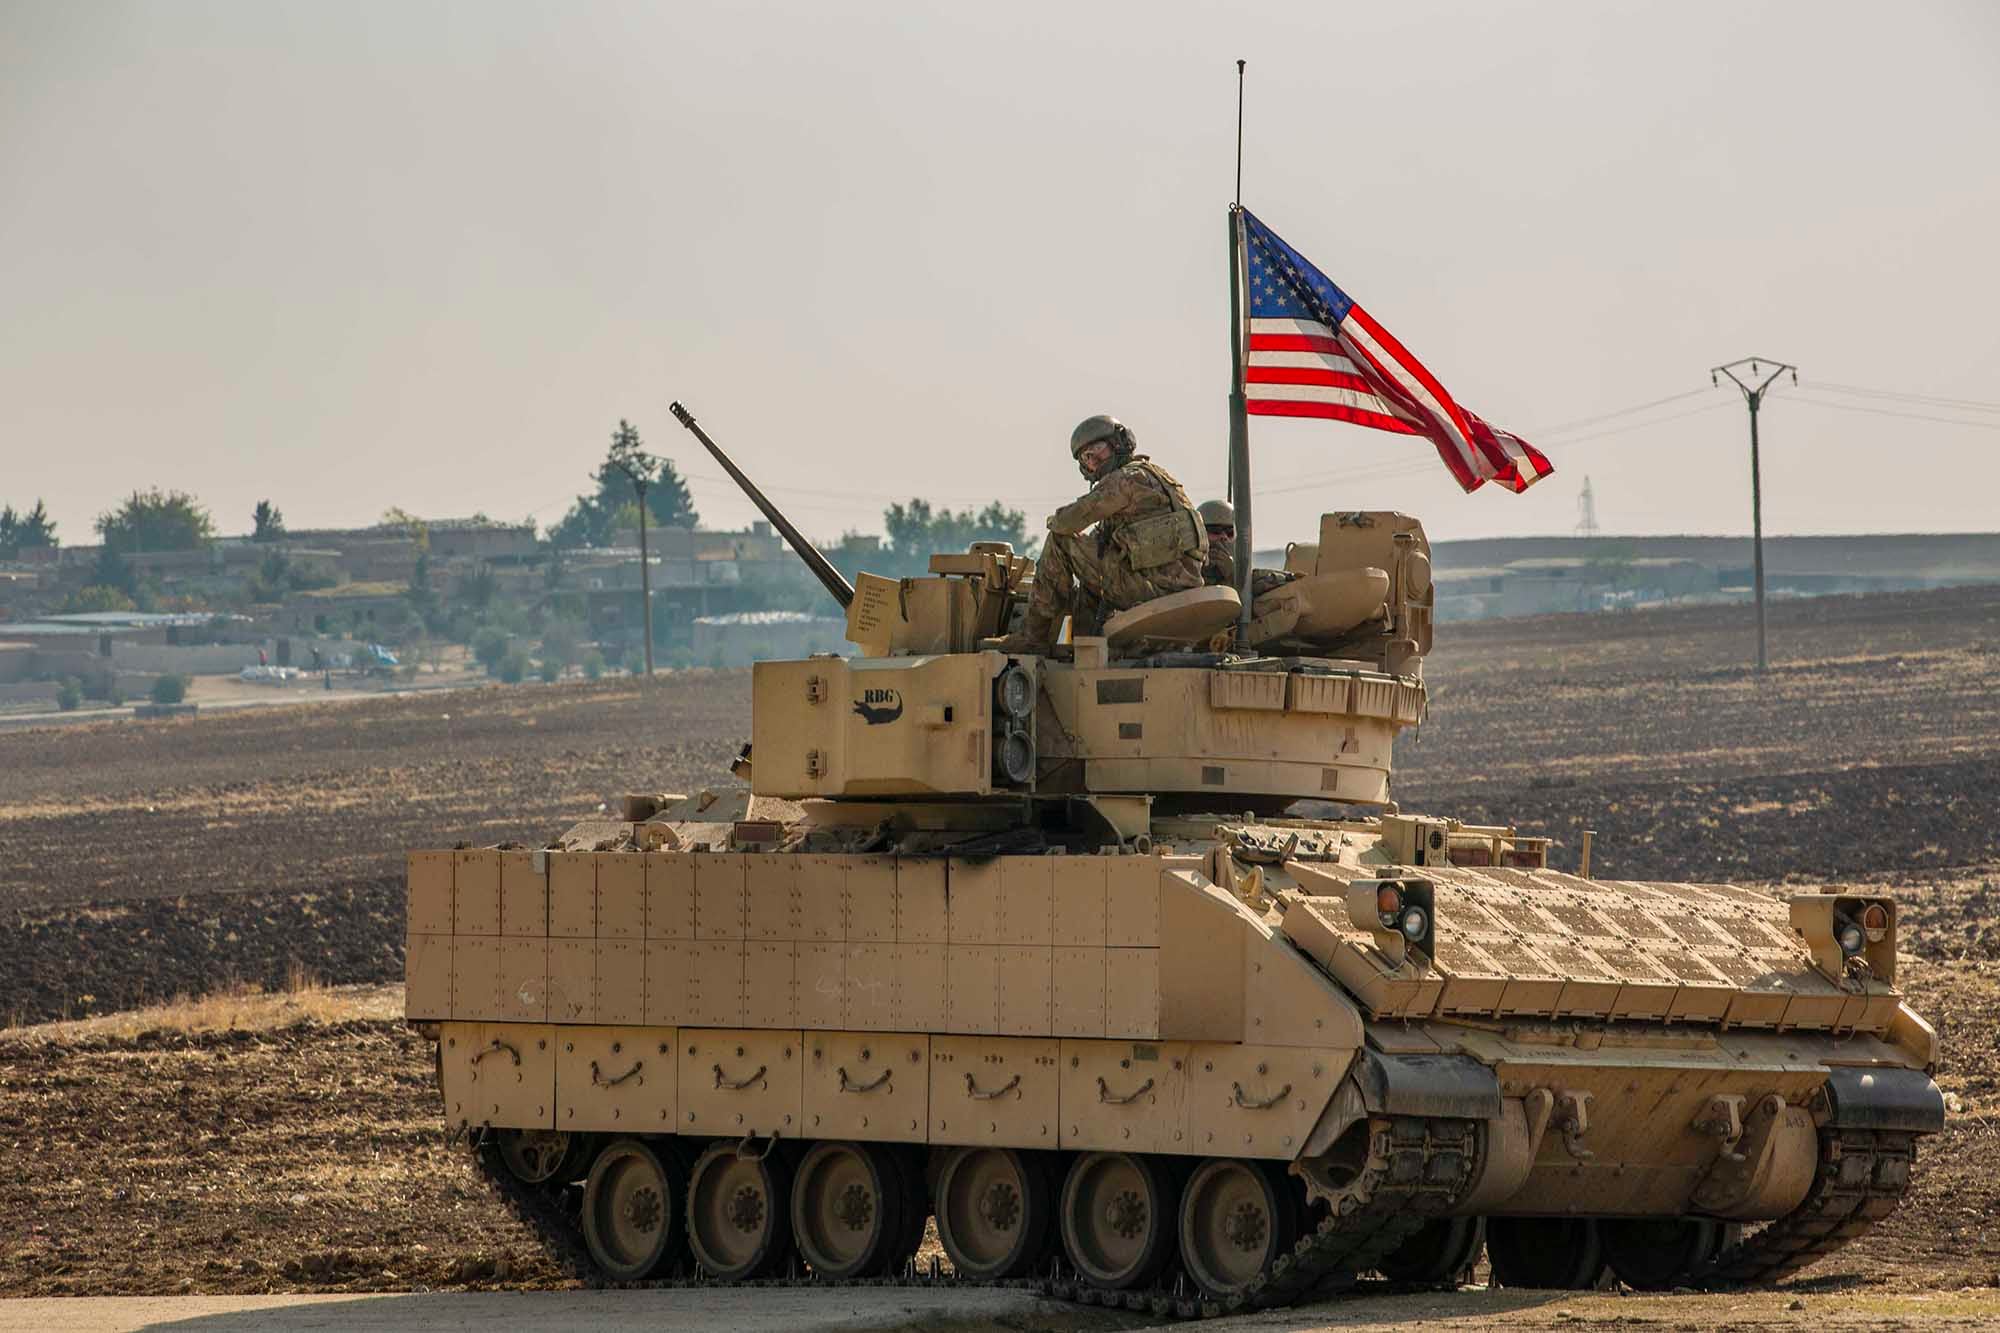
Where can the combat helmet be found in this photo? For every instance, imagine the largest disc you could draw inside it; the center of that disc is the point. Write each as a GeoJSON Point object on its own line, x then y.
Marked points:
{"type": "Point", "coordinates": [1102, 428]}
{"type": "Point", "coordinates": [1217, 514]}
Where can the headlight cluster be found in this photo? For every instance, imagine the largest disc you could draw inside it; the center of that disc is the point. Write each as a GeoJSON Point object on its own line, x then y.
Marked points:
{"type": "Point", "coordinates": [1855, 935]}
{"type": "Point", "coordinates": [1407, 919]}
{"type": "Point", "coordinates": [1013, 744]}
{"type": "Point", "coordinates": [1401, 914]}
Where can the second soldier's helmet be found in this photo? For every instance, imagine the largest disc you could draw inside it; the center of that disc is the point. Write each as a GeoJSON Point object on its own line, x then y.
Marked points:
{"type": "Point", "coordinates": [1092, 429]}
{"type": "Point", "coordinates": [1217, 514]}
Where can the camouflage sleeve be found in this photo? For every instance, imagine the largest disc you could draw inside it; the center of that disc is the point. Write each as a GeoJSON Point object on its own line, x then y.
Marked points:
{"type": "Point", "coordinates": [1112, 496]}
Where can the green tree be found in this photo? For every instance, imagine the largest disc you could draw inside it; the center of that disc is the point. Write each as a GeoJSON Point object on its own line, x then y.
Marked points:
{"type": "Point", "coordinates": [156, 520]}
{"type": "Point", "coordinates": [170, 689]}
{"type": "Point", "coordinates": [69, 695]}
{"type": "Point", "coordinates": [420, 594]}
{"type": "Point", "coordinates": [489, 646]}
{"type": "Point", "coordinates": [115, 571]}
{"type": "Point", "coordinates": [514, 668]}
{"type": "Point", "coordinates": [98, 597]}
{"type": "Point", "coordinates": [274, 578]}
{"type": "Point", "coordinates": [269, 521]}
{"type": "Point", "coordinates": [562, 641]}
{"type": "Point", "coordinates": [481, 588]}
{"type": "Point", "coordinates": [38, 529]}
{"type": "Point", "coordinates": [595, 517]}
{"type": "Point", "coordinates": [916, 531]}
{"type": "Point", "coordinates": [20, 532]}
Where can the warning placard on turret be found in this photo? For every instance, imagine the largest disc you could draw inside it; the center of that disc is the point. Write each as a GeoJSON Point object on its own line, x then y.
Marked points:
{"type": "Point", "coordinates": [873, 613]}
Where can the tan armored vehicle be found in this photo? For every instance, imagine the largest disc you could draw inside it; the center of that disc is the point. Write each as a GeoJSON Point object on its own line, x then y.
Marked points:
{"type": "Point", "coordinates": [1035, 947]}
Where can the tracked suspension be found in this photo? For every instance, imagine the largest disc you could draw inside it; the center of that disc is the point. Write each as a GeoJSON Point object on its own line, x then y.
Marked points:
{"type": "Point", "coordinates": [1861, 1177]}
{"type": "Point", "coordinates": [1407, 1171]}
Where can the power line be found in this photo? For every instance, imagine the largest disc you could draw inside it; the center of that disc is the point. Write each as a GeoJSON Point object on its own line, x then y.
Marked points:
{"type": "Point", "coordinates": [1926, 399]}
{"type": "Point", "coordinates": [1891, 412]}
{"type": "Point", "coordinates": [1567, 426]}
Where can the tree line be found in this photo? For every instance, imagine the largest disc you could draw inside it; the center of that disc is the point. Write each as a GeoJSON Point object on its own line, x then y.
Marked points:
{"type": "Point", "coordinates": [171, 520]}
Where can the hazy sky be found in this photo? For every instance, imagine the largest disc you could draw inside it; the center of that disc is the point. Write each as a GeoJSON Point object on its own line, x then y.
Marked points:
{"type": "Point", "coordinates": [355, 255]}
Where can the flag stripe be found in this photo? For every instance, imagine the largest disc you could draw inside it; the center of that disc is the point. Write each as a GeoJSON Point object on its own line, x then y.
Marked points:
{"type": "Point", "coordinates": [1315, 360]}
{"type": "Point", "coordinates": [1460, 459]}
{"type": "Point", "coordinates": [1261, 407]}
{"type": "Point", "coordinates": [1339, 379]}
{"type": "Point", "coordinates": [1391, 359]}
{"type": "Point", "coordinates": [1294, 342]}
{"type": "Point", "coordinates": [1321, 393]}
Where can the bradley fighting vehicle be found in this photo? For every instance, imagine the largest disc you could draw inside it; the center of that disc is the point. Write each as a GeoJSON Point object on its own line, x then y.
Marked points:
{"type": "Point", "coordinates": [1039, 946]}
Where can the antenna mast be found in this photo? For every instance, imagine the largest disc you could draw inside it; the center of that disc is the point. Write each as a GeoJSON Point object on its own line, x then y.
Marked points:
{"type": "Point", "coordinates": [1586, 511]}
{"type": "Point", "coordinates": [1239, 417]}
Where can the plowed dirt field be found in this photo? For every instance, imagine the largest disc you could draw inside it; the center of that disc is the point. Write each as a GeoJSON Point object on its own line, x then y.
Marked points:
{"type": "Point", "coordinates": [301, 1150]}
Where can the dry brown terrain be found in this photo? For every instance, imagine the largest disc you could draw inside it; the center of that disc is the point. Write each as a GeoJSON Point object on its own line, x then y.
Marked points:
{"type": "Point", "coordinates": [300, 1149]}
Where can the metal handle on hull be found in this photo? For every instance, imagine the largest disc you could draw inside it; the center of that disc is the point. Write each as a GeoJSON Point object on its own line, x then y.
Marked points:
{"type": "Point", "coordinates": [740, 1084]}
{"type": "Point", "coordinates": [1263, 1105]}
{"type": "Point", "coordinates": [498, 1046]}
{"type": "Point", "coordinates": [847, 1085]}
{"type": "Point", "coordinates": [1105, 1095]}
{"type": "Point", "coordinates": [603, 1082]}
{"type": "Point", "coordinates": [972, 1089]}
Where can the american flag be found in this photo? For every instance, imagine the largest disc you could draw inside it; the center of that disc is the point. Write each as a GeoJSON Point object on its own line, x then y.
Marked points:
{"type": "Point", "coordinates": [1312, 352]}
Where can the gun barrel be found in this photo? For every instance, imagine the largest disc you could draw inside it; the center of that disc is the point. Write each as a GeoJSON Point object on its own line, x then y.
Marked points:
{"type": "Point", "coordinates": [830, 578]}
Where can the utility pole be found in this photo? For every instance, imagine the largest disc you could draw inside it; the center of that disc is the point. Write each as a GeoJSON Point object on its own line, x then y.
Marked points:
{"type": "Point", "coordinates": [639, 468]}
{"type": "Point", "coordinates": [1754, 396]}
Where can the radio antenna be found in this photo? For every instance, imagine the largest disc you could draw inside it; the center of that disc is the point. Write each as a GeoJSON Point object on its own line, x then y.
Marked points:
{"type": "Point", "coordinates": [1239, 133]}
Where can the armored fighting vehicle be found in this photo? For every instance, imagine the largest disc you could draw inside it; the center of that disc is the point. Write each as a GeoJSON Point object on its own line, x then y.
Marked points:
{"type": "Point", "coordinates": [1045, 947]}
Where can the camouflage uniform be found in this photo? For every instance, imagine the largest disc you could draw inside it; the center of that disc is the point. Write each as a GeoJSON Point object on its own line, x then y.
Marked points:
{"type": "Point", "coordinates": [1219, 571]}
{"type": "Point", "coordinates": [1090, 577]}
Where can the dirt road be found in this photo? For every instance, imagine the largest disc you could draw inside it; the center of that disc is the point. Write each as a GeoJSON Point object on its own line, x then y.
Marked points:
{"type": "Point", "coordinates": [948, 1311]}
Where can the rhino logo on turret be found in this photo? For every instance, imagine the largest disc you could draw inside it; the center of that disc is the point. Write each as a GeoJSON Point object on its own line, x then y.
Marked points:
{"type": "Point", "coordinates": [878, 706]}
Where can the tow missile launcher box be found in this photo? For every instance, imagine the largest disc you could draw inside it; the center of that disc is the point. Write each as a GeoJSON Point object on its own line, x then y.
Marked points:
{"type": "Point", "coordinates": [1125, 951]}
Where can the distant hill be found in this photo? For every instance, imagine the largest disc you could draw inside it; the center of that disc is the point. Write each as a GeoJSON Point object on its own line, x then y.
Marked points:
{"type": "Point", "coordinates": [1934, 559]}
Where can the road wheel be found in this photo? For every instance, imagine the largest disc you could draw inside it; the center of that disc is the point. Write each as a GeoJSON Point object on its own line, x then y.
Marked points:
{"type": "Point", "coordinates": [1440, 1252]}
{"type": "Point", "coordinates": [1237, 1217]}
{"type": "Point", "coordinates": [1556, 1253]}
{"type": "Point", "coordinates": [739, 1212]}
{"type": "Point", "coordinates": [1659, 1253]}
{"type": "Point", "coordinates": [994, 1208]}
{"type": "Point", "coordinates": [847, 1209]}
{"type": "Point", "coordinates": [541, 1156]}
{"type": "Point", "coordinates": [1120, 1215]}
{"type": "Point", "coordinates": [632, 1209]}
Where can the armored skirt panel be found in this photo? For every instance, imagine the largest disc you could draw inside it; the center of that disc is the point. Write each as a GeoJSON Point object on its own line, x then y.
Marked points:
{"type": "Point", "coordinates": [1107, 1001]}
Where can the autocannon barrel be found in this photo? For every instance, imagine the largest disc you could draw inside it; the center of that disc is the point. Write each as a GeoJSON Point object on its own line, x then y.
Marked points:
{"type": "Point", "coordinates": [830, 578]}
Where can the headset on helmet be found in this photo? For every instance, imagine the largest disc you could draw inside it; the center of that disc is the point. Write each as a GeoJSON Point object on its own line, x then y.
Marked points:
{"type": "Point", "coordinates": [1093, 429]}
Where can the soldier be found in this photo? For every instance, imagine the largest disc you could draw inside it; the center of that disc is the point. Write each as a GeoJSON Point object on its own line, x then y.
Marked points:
{"type": "Point", "coordinates": [1219, 518]}
{"type": "Point", "coordinates": [1219, 569]}
{"type": "Point", "coordinates": [1148, 541]}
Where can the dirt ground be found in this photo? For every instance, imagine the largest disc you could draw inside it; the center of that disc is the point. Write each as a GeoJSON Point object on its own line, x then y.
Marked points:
{"type": "Point", "coordinates": [274, 1148]}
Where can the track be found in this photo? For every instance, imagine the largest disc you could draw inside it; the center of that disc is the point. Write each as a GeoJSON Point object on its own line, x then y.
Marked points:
{"type": "Point", "coordinates": [1414, 1169]}
{"type": "Point", "coordinates": [1862, 1176]}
